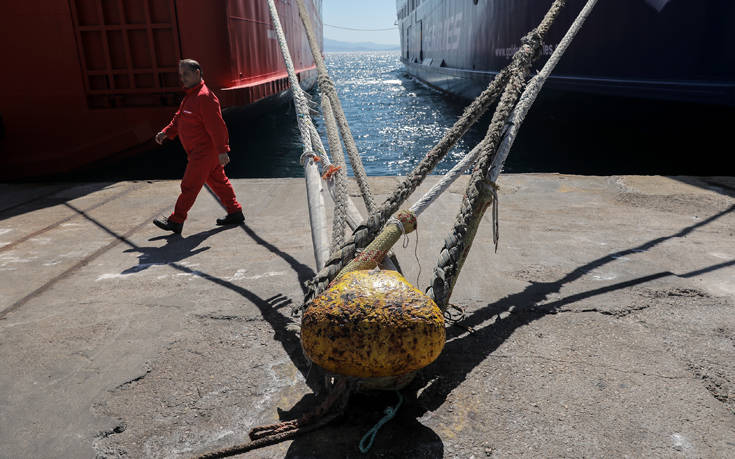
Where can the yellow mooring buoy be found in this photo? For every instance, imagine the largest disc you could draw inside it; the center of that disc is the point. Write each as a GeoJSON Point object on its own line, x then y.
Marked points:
{"type": "Point", "coordinates": [372, 324]}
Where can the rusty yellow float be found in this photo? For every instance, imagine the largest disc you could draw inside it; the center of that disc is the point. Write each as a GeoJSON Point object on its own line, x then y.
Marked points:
{"type": "Point", "coordinates": [373, 323]}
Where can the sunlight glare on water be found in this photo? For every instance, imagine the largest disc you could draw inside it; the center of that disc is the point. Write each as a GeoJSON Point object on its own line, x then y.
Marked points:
{"type": "Point", "coordinates": [394, 119]}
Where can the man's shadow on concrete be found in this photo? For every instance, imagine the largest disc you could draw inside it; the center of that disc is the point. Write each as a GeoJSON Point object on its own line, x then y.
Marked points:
{"type": "Point", "coordinates": [365, 411]}
{"type": "Point", "coordinates": [303, 272]}
{"type": "Point", "coordinates": [177, 249]}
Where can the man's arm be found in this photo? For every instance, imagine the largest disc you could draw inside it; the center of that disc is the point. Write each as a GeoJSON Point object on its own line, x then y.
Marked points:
{"type": "Point", "coordinates": [216, 128]}
{"type": "Point", "coordinates": [170, 131]}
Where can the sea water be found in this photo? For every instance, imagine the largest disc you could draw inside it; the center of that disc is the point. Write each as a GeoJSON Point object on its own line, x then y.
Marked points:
{"type": "Point", "coordinates": [395, 120]}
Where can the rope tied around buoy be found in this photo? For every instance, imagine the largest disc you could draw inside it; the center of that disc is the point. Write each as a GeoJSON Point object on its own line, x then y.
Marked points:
{"type": "Point", "coordinates": [308, 154]}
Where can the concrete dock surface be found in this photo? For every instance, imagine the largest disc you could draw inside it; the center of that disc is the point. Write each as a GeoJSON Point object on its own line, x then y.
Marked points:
{"type": "Point", "coordinates": [604, 326]}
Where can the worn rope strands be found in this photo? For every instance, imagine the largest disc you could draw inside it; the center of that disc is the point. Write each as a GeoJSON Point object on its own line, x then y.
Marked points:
{"type": "Point", "coordinates": [478, 196]}
{"type": "Point", "coordinates": [317, 212]}
{"type": "Point", "coordinates": [454, 251]}
{"type": "Point", "coordinates": [534, 88]}
{"type": "Point", "coordinates": [327, 87]}
{"type": "Point", "coordinates": [335, 150]}
{"type": "Point", "coordinates": [352, 215]}
{"type": "Point", "coordinates": [365, 233]}
{"type": "Point", "coordinates": [496, 222]}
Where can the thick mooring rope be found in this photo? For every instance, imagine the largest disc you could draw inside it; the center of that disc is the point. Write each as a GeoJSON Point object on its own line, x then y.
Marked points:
{"type": "Point", "coordinates": [445, 182]}
{"type": "Point", "coordinates": [367, 231]}
{"type": "Point", "coordinates": [317, 212]}
{"type": "Point", "coordinates": [482, 188]}
{"type": "Point", "coordinates": [340, 177]}
{"type": "Point", "coordinates": [533, 89]}
{"type": "Point", "coordinates": [327, 87]}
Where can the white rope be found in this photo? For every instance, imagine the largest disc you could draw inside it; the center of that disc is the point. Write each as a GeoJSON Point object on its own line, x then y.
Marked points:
{"type": "Point", "coordinates": [300, 100]}
{"type": "Point", "coordinates": [316, 141]}
{"type": "Point", "coordinates": [445, 182]}
{"type": "Point", "coordinates": [317, 212]}
{"type": "Point", "coordinates": [327, 88]}
{"type": "Point", "coordinates": [354, 217]}
{"type": "Point", "coordinates": [340, 177]}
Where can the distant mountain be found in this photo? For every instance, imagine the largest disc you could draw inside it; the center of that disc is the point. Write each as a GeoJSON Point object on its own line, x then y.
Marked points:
{"type": "Point", "coordinates": [334, 46]}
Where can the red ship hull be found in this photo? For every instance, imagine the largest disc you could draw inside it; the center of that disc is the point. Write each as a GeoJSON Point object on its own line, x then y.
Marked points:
{"type": "Point", "coordinates": [89, 79]}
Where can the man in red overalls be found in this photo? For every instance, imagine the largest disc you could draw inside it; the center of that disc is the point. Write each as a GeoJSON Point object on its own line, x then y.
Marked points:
{"type": "Point", "coordinates": [203, 133]}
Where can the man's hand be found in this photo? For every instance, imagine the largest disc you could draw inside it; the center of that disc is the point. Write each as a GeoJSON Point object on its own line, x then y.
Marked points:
{"type": "Point", "coordinates": [224, 158]}
{"type": "Point", "coordinates": [160, 137]}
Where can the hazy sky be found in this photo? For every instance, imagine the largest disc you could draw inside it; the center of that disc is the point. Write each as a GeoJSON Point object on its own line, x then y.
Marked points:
{"type": "Point", "coordinates": [360, 14]}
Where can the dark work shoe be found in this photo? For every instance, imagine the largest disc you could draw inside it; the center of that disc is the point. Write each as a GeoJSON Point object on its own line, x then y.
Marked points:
{"type": "Point", "coordinates": [234, 218]}
{"type": "Point", "coordinates": [165, 224]}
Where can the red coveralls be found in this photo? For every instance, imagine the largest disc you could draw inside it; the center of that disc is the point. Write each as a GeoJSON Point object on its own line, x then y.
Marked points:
{"type": "Point", "coordinates": [203, 133]}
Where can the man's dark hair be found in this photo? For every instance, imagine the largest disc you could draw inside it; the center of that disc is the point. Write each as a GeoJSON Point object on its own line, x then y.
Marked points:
{"type": "Point", "coordinates": [192, 64]}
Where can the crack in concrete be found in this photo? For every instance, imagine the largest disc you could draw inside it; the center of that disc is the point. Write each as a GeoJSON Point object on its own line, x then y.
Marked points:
{"type": "Point", "coordinates": [103, 451]}
{"type": "Point", "coordinates": [229, 317]}
{"type": "Point", "coordinates": [617, 313]}
{"type": "Point", "coordinates": [131, 381]}
{"type": "Point", "coordinates": [118, 429]}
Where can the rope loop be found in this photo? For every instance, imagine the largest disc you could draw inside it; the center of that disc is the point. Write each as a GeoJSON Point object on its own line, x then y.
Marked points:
{"type": "Point", "coordinates": [308, 154]}
{"type": "Point", "coordinates": [454, 318]}
{"type": "Point", "coordinates": [399, 223]}
{"type": "Point", "coordinates": [390, 412]}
